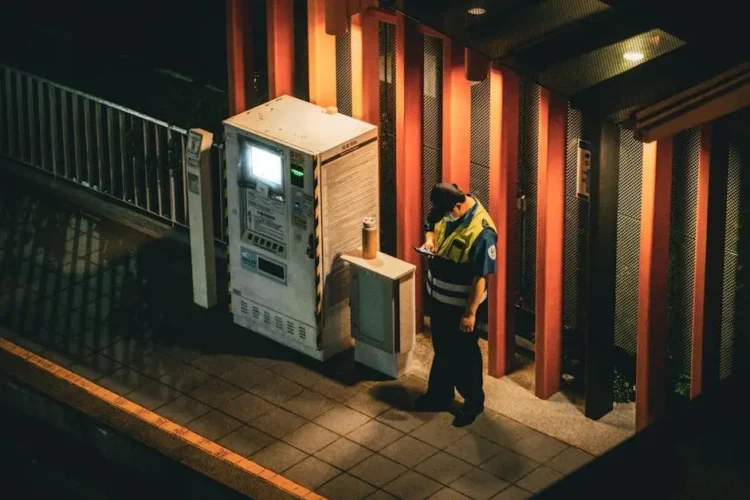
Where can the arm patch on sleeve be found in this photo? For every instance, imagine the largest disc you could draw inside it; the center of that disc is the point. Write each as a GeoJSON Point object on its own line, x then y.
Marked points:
{"type": "Point", "coordinates": [492, 252]}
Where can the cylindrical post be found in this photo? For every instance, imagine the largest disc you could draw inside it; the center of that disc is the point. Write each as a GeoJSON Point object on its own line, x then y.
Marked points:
{"type": "Point", "coordinates": [369, 238]}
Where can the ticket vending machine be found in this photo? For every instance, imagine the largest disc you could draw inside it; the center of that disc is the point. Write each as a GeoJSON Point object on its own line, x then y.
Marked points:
{"type": "Point", "coordinates": [300, 180]}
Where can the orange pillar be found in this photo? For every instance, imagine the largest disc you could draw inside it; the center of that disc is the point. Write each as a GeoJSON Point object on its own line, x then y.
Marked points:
{"type": "Point", "coordinates": [239, 56]}
{"type": "Point", "coordinates": [321, 50]}
{"type": "Point", "coordinates": [456, 117]}
{"type": "Point", "coordinates": [280, 26]}
{"type": "Point", "coordinates": [653, 282]}
{"type": "Point", "coordinates": [409, 91]}
{"type": "Point", "coordinates": [709, 259]}
{"type": "Point", "coordinates": [504, 103]}
{"type": "Point", "coordinates": [550, 242]}
{"type": "Point", "coordinates": [365, 68]}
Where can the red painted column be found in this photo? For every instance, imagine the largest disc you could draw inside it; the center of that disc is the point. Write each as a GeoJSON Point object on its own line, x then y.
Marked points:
{"type": "Point", "coordinates": [653, 282]}
{"type": "Point", "coordinates": [239, 56]}
{"type": "Point", "coordinates": [409, 91]}
{"type": "Point", "coordinates": [280, 29]}
{"type": "Point", "coordinates": [321, 49]}
{"type": "Point", "coordinates": [709, 259]}
{"type": "Point", "coordinates": [550, 242]}
{"type": "Point", "coordinates": [365, 68]}
{"type": "Point", "coordinates": [504, 103]}
{"type": "Point", "coordinates": [456, 116]}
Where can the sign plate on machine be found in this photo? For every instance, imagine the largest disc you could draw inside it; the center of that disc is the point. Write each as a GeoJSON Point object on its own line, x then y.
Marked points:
{"type": "Point", "coordinates": [583, 169]}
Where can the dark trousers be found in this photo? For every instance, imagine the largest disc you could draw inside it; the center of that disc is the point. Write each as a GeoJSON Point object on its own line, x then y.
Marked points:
{"type": "Point", "coordinates": [458, 359]}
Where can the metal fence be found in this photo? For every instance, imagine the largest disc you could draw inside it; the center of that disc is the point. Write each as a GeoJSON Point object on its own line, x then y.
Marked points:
{"type": "Point", "coordinates": [110, 149]}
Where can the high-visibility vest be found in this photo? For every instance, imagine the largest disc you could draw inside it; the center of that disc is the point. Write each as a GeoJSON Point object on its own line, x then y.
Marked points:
{"type": "Point", "coordinates": [449, 279]}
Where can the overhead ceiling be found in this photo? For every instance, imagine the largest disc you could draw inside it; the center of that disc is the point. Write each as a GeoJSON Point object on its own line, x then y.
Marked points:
{"type": "Point", "coordinates": [578, 47]}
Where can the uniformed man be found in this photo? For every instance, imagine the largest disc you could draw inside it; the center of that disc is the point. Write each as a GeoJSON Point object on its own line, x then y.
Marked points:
{"type": "Point", "coordinates": [461, 234]}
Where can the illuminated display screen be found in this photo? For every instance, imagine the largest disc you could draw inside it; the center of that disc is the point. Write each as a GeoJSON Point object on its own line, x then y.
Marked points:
{"type": "Point", "coordinates": [298, 176]}
{"type": "Point", "coordinates": [265, 165]}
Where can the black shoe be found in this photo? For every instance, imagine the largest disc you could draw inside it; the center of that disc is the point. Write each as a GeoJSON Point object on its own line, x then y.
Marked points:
{"type": "Point", "coordinates": [466, 417]}
{"type": "Point", "coordinates": [426, 402]}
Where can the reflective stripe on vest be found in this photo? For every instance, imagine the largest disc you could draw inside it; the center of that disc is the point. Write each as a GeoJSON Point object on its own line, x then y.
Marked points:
{"type": "Point", "coordinates": [450, 300]}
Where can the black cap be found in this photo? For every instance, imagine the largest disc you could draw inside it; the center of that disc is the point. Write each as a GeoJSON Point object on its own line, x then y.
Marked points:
{"type": "Point", "coordinates": [444, 197]}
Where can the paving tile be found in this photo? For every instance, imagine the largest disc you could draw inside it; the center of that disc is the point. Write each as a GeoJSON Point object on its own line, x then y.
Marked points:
{"type": "Point", "coordinates": [404, 421]}
{"type": "Point", "coordinates": [540, 479]}
{"type": "Point", "coordinates": [214, 425]}
{"type": "Point", "coordinates": [448, 494]}
{"type": "Point", "coordinates": [498, 428]}
{"type": "Point", "coordinates": [538, 447]}
{"type": "Point", "coordinates": [412, 486]}
{"type": "Point", "coordinates": [377, 470]}
{"type": "Point", "coordinates": [216, 364]}
{"type": "Point", "coordinates": [408, 451]}
{"type": "Point", "coordinates": [310, 438]}
{"type": "Point", "coordinates": [439, 433]}
{"type": "Point", "coordinates": [153, 364]}
{"type": "Point", "coordinates": [341, 419]}
{"type": "Point", "coordinates": [278, 423]}
{"type": "Point", "coordinates": [123, 381]}
{"type": "Point", "coordinates": [277, 390]}
{"type": "Point", "coordinates": [185, 378]}
{"type": "Point", "coordinates": [479, 484]}
{"type": "Point", "coordinates": [215, 392]}
{"type": "Point", "coordinates": [374, 435]}
{"type": "Point", "coordinates": [509, 465]}
{"type": "Point", "coordinates": [153, 395]}
{"type": "Point", "coordinates": [569, 460]}
{"type": "Point", "coordinates": [295, 372]}
{"type": "Point", "coordinates": [183, 410]}
{"type": "Point", "coordinates": [380, 495]}
{"type": "Point", "coordinates": [443, 468]}
{"type": "Point", "coordinates": [336, 390]}
{"type": "Point", "coordinates": [473, 449]}
{"type": "Point", "coordinates": [247, 407]}
{"type": "Point", "coordinates": [309, 404]}
{"type": "Point", "coordinates": [311, 473]}
{"type": "Point", "coordinates": [513, 493]}
{"type": "Point", "coordinates": [127, 349]}
{"type": "Point", "coordinates": [65, 359]}
{"type": "Point", "coordinates": [246, 440]}
{"type": "Point", "coordinates": [343, 453]}
{"type": "Point", "coordinates": [345, 487]}
{"type": "Point", "coordinates": [278, 457]}
{"type": "Point", "coordinates": [247, 375]}
{"type": "Point", "coordinates": [365, 402]}
{"type": "Point", "coordinates": [180, 352]}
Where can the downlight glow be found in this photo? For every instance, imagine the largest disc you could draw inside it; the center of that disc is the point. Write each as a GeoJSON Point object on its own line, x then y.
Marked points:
{"type": "Point", "coordinates": [477, 11]}
{"type": "Point", "coordinates": [633, 56]}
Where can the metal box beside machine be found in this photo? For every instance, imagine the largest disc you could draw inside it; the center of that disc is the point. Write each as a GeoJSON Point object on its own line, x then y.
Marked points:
{"type": "Point", "coordinates": [300, 179]}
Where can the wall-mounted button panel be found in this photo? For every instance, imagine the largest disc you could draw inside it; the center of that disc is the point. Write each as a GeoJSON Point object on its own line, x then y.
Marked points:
{"type": "Point", "coordinates": [266, 244]}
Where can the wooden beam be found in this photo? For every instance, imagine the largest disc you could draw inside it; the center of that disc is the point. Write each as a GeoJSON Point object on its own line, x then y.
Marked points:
{"type": "Point", "coordinates": [504, 105]}
{"type": "Point", "coordinates": [386, 16]}
{"type": "Point", "coordinates": [709, 258]}
{"type": "Point", "coordinates": [550, 243]}
{"type": "Point", "coordinates": [456, 117]}
{"type": "Point", "coordinates": [321, 51]}
{"type": "Point", "coordinates": [239, 56]}
{"type": "Point", "coordinates": [426, 30]}
{"type": "Point", "coordinates": [653, 282]}
{"type": "Point", "coordinates": [365, 37]}
{"type": "Point", "coordinates": [600, 274]}
{"type": "Point", "coordinates": [280, 30]}
{"type": "Point", "coordinates": [409, 92]}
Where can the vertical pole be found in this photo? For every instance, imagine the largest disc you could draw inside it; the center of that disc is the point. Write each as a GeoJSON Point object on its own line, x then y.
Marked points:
{"type": "Point", "coordinates": [239, 55]}
{"type": "Point", "coordinates": [504, 104]}
{"type": "Point", "coordinates": [365, 68]}
{"type": "Point", "coordinates": [713, 164]}
{"type": "Point", "coordinates": [322, 56]}
{"type": "Point", "coordinates": [653, 282]}
{"type": "Point", "coordinates": [280, 26]}
{"type": "Point", "coordinates": [599, 327]}
{"type": "Point", "coordinates": [550, 243]}
{"type": "Point", "coordinates": [456, 117]}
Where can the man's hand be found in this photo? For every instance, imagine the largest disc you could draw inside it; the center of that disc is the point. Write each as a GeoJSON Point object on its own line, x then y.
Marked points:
{"type": "Point", "coordinates": [429, 243]}
{"type": "Point", "coordinates": [467, 322]}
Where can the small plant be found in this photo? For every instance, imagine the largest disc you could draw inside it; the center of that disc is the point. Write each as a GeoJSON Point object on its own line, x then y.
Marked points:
{"type": "Point", "coordinates": [624, 389]}
{"type": "Point", "coordinates": [682, 386]}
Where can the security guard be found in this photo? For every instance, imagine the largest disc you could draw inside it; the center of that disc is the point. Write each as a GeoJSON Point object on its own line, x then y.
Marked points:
{"type": "Point", "coordinates": [461, 234]}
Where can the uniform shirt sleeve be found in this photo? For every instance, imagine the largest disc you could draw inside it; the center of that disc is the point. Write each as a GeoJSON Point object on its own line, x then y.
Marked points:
{"type": "Point", "coordinates": [484, 253]}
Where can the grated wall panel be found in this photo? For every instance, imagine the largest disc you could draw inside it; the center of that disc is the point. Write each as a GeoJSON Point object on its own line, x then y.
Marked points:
{"type": "Point", "coordinates": [528, 154]}
{"type": "Point", "coordinates": [628, 241]}
{"type": "Point", "coordinates": [301, 74]}
{"type": "Point", "coordinates": [480, 140]}
{"type": "Point", "coordinates": [344, 71]}
{"type": "Point", "coordinates": [432, 118]}
{"type": "Point", "coordinates": [388, 138]}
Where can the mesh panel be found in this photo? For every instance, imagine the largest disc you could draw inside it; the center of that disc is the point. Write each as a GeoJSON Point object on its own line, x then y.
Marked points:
{"type": "Point", "coordinates": [344, 71]}
{"type": "Point", "coordinates": [528, 155]}
{"type": "Point", "coordinates": [576, 215]}
{"type": "Point", "coordinates": [682, 249]}
{"type": "Point", "coordinates": [432, 117]}
{"type": "Point", "coordinates": [480, 140]}
{"type": "Point", "coordinates": [728, 311]}
{"type": "Point", "coordinates": [301, 83]}
{"type": "Point", "coordinates": [388, 138]}
{"type": "Point", "coordinates": [628, 241]}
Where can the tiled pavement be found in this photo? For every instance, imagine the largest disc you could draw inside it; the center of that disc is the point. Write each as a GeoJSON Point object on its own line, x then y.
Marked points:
{"type": "Point", "coordinates": [115, 307]}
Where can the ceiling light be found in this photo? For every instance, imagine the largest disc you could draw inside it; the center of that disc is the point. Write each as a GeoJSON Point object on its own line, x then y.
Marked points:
{"type": "Point", "coordinates": [477, 11]}
{"type": "Point", "coordinates": [633, 56]}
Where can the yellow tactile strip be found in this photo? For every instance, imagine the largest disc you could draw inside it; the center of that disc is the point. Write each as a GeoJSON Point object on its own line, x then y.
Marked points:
{"type": "Point", "coordinates": [162, 423]}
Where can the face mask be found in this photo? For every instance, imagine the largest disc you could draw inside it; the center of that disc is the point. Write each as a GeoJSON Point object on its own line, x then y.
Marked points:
{"type": "Point", "coordinates": [450, 218]}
